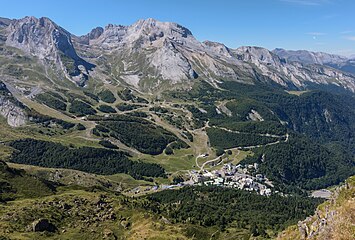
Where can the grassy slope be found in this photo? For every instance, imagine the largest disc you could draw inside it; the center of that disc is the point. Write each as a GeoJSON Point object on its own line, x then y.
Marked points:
{"type": "Point", "coordinates": [75, 228]}
{"type": "Point", "coordinates": [115, 182]}
{"type": "Point", "coordinates": [78, 214]}
{"type": "Point", "coordinates": [17, 184]}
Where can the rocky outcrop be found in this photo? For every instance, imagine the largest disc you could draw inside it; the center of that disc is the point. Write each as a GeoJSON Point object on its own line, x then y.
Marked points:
{"type": "Point", "coordinates": [4, 22]}
{"type": "Point", "coordinates": [42, 225]}
{"type": "Point", "coordinates": [14, 115]}
{"type": "Point", "coordinates": [10, 108]}
{"type": "Point", "coordinates": [94, 34]}
{"type": "Point", "coordinates": [313, 226]}
{"type": "Point", "coordinates": [331, 220]}
{"type": "Point", "coordinates": [108, 234]}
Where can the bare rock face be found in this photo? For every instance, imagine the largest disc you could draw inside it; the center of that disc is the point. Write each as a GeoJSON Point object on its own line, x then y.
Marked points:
{"type": "Point", "coordinates": [142, 33]}
{"type": "Point", "coordinates": [14, 115]}
{"type": "Point", "coordinates": [94, 34]}
{"type": "Point", "coordinates": [320, 58]}
{"type": "Point", "coordinates": [10, 108]}
{"type": "Point", "coordinates": [4, 22]}
{"type": "Point", "coordinates": [218, 48]}
{"type": "Point", "coordinates": [148, 49]}
{"type": "Point", "coordinates": [50, 43]}
{"type": "Point", "coordinates": [294, 73]}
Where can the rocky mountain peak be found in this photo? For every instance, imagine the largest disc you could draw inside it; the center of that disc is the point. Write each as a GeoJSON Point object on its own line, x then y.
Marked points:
{"type": "Point", "coordinates": [44, 39]}
{"type": "Point", "coordinates": [309, 57]}
{"type": "Point", "coordinates": [40, 37]}
{"type": "Point", "coordinates": [217, 48]}
{"type": "Point", "coordinates": [143, 32]}
{"type": "Point", "coordinates": [96, 32]}
{"type": "Point", "coordinates": [92, 35]}
{"type": "Point", "coordinates": [4, 22]}
{"type": "Point", "coordinates": [151, 27]}
{"type": "Point", "coordinates": [257, 55]}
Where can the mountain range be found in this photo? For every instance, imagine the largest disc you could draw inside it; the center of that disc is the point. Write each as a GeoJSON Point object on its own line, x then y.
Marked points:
{"type": "Point", "coordinates": [150, 55]}
{"type": "Point", "coordinates": [144, 132]}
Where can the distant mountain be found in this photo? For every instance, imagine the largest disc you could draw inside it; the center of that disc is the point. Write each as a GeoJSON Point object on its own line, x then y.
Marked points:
{"type": "Point", "coordinates": [150, 55]}
{"type": "Point", "coordinates": [347, 66]}
{"type": "Point", "coordinates": [336, 61]}
{"type": "Point", "coordinates": [309, 57]}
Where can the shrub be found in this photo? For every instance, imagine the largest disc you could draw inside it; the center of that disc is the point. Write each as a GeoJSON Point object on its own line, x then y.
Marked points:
{"type": "Point", "coordinates": [107, 144]}
{"type": "Point", "coordinates": [107, 96]}
{"type": "Point", "coordinates": [80, 108]}
{"type": "Point", "coordinates": [106, 109]}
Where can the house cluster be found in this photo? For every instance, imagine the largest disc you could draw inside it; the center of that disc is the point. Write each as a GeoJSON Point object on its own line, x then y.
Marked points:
{"type": "Point", "coordinates": [234, 176]}
{"type": "Point", "coordinates": [244, 177]}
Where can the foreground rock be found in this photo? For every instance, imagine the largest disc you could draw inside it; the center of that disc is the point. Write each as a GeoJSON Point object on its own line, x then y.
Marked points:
{"type": "Point", "coordinates": [333, 219]}
{"type": "Point", "coordinates": [42, 225]}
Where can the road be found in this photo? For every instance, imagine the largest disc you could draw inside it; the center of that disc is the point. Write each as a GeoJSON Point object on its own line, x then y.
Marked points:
{"type": "Point", "coordinates": [286, 136]}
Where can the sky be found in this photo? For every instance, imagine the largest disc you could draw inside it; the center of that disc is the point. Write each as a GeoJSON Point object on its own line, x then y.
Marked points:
{"type": "Point", "coordinates": [315, 25]}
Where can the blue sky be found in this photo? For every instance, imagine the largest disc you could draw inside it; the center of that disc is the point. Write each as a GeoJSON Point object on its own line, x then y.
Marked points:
{"type": "Point", "coordinates": [317, 25]}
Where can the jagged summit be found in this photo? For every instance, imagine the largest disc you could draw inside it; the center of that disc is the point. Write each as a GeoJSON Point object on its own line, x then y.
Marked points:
{"type": "Point", "coordinates": [42, 38]}
{"type": "Point", "coordinates": [144, 31]}
{"type": "Point", "coordinates": [167, 27]}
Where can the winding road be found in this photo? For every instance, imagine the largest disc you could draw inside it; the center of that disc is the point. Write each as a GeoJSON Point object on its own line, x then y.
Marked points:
{"type": "Point", "coordinates": [286, 136]}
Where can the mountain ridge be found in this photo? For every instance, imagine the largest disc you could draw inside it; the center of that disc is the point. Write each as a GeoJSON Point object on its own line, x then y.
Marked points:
{"type": "Point", "coordinates": [309, 56]}
{"type": "Point", "coordinates": [150, 54]}
{"type": "Point", "coordinates": [339, 62]}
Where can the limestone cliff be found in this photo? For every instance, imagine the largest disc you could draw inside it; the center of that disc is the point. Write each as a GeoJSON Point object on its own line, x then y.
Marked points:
{"type": "Point", "coordinates": [10, 108]}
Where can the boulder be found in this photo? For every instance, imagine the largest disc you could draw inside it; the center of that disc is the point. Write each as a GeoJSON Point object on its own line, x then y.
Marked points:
{"type": "Point", "coordinates": [108, 234]}
{"type": "Point", "coordinates": [42, 225]}
{"type": "Point", "coordinates": [125, 224]}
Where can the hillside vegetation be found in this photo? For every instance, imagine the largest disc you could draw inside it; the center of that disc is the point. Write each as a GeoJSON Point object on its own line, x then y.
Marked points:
{"type": "Point", "coordinates": [334, 219]}
{"type": "Point", "coordinates": [230, 209]}
{"type": "Point", "coordinates": [138, 133]}
{"type": "Point", "coordinates": [92, 160]}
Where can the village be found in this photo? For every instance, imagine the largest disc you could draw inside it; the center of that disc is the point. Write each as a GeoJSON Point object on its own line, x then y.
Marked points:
{"type": "Point", "coordinates": [230, 176]}
{"type": "Point", "coordinates": [233, 176]}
